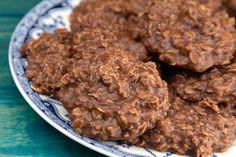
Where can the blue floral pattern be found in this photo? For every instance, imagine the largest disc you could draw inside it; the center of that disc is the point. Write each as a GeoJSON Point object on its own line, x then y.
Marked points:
{"type": "Point", "coordinates": [47, 16]}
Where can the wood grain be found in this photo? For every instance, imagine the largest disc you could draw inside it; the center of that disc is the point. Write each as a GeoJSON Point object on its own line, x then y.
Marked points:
{"type": "Point", "coordinates": [22, 132]}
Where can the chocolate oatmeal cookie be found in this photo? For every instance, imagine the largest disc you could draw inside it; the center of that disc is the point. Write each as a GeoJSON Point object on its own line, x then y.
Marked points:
{"type": "Point", "coordinates": [48, 61]}
{"type": "Point", "coordinates": [106, 14]}
{"type": "Point", "coordinates": [190, 129]}
{"type": "Point", "coordinates": [108, 17]}
{"type": "Point", "coordinates": [217, 86]}
{"type": "Point", "coordinates": [186, 34]}
{"type": "Point", "coordinates": [101, 17]}
{"type": "Point", "coordinates": [114, 97]}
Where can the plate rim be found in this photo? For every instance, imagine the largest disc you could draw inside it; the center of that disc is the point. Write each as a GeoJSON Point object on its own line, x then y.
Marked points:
{"type": "Point", "coordinates": [32, 105]}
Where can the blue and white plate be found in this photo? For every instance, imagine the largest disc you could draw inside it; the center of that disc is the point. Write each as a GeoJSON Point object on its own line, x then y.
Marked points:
{"type": "Point", "coordinates": [47, 16]}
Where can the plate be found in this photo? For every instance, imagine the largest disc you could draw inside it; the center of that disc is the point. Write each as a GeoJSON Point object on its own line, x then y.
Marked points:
{"type": "Point", "coordinates": [47, 16]}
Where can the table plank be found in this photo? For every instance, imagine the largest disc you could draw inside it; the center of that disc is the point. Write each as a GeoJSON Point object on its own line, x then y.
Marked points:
{"type": "Point", "coordinates": [5, 75]}
{"type": "Point", "coordinates": [16, 7]}
{"type": "Point", "coordinates": [7, 24]}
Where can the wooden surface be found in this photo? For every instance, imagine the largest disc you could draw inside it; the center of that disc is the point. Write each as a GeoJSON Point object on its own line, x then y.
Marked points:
{"type": "Point", "coordinates": [22, 131]}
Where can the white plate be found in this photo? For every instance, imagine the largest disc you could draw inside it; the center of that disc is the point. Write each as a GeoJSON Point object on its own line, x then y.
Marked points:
{"type": "Point", "coordinates": [47, 16]}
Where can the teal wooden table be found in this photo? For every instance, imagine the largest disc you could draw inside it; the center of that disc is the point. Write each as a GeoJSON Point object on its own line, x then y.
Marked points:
{"type": "Point", "coordinates": [22, 131]}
